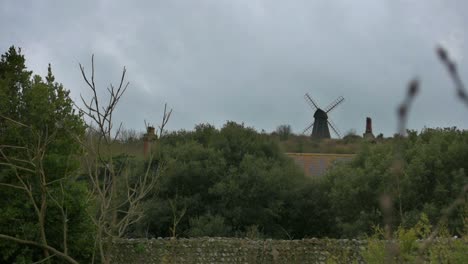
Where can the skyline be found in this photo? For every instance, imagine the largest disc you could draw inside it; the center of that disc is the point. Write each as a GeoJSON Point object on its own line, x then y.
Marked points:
{"type": "Point", "coordinates": [252, 61]}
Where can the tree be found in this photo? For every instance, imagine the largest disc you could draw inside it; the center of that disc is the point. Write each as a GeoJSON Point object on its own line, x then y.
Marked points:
{"type": "Point", "coordinates": [129, 136]}
{"type": "Point", "coordinates": [283, 131]}
{"type": "Point", "coordinates": [117, 188]}
{"type": "Point", "coordinates": [39, 160]}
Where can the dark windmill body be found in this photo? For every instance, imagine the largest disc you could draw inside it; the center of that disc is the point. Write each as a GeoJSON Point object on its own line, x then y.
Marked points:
{"type": "Point", "coordinates": [321, 122]}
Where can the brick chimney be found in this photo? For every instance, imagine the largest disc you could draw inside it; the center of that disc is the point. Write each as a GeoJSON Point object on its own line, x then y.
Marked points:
{"type": "Point", "coordinates": [148, 138]}
{"type": "Point", "coordinates": [368, 133]}
{"type": "Point", "coordinates": [368, 125]}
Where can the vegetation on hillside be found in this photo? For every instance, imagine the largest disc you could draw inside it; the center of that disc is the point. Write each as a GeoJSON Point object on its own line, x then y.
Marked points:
{"type": "Point", "coordinates": [132, 142]}
{"type": "Point", "coordinates": [233, 179]}
{"type": "Point", "coordinates": [305, 144]}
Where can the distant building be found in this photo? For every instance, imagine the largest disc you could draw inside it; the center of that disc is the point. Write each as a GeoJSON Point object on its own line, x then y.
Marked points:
{"type": "Point", "coordinates": [148, 138]}
{"type": "Point", "coordinates": [368, 134]}
{"type": "Point", "coordinates": [316, 164]}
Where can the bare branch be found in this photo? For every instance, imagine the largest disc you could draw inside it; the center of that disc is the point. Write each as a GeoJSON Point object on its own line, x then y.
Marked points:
{"type": "Point", "coordinates": [113, 214]}
{"type": "Point", "coordinates": [13, 121]}
{"type": "Point", "coordinates": [44, 259]}
{"type": "Point", "coordinates": [46, 247]}
{"type": "Point", "coordinates": [13, 186]}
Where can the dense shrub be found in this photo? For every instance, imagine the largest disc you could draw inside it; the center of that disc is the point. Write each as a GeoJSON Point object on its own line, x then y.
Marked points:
{"type": "Point", "coordinates": [434, 166]}
{"type": "Point", "coordinates": [225, 181]}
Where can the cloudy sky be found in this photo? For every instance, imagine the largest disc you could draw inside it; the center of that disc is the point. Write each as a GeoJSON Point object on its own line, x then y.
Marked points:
{"type": "Point", "coordinates": [251, 61]}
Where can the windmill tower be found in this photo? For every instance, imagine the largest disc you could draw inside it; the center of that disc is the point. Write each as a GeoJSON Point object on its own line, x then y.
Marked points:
{"type": "Point", "coordinates": [321, 121]}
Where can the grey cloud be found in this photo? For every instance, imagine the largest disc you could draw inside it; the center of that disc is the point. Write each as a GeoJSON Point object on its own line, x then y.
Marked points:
{"type": "Point", "coordinates": [251, 61]}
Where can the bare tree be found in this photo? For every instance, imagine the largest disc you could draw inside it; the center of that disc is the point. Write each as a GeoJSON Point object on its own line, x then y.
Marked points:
{"type": "Point", "coordinates": [177, 215]}
{"type": "Point", "coordinates": [116, 194]}
{"type": "Point", "coordinates": [129, 135]}
{"type": "Point", "coordinates": [284, 131]}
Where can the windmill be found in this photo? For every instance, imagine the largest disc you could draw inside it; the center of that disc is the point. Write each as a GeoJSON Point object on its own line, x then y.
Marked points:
{"type": "Point", "coordinates": [321, 121]}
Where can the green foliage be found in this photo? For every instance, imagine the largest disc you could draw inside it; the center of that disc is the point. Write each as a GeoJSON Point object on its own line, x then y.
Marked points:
{"type": "Point", "coordinates": [434, 173]}
{"type": "Point", "coordinates": [407, 248]}
{"type": "Point", "coordinates": [229, 180]}
{"type": "Point", "coordinates": [208, 225]}
{"type": "Point", "coordinates": [310, 214]}
{"type": "Point", "coordinates": [233, 179]}
{"type": "Point", "coordinates": [139, 248]}
{"type": "Point", "coordinates": [283, 131]}
{"type": "Point", "coordinates": [45, 108]}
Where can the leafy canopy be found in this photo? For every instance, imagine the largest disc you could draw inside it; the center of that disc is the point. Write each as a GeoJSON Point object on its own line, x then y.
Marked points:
{"type": "Point", "coordinates": [34, 114]}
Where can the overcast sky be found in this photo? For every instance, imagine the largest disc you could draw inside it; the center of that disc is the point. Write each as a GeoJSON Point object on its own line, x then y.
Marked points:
{"type": "Point", "coordinates": [251, 61]}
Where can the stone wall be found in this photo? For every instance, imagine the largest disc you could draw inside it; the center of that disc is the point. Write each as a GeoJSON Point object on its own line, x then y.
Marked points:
{"type": "Point", "coordinates": [235, 250]}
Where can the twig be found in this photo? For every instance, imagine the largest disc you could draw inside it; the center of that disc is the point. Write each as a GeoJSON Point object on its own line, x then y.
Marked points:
{"type": "Point", "coordinates": [386, 200]}
{"type": "Point", "coordinates": [451, 67]}
{"type": "Point", "coordinates": [164, 121]}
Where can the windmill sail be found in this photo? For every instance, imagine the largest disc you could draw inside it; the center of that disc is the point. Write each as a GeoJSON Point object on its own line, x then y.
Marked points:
{"type": "Point", "coordinates": [308, 128]}
{"type": "Point", "coordinates": [331, 106]}
{"type": "Point", "coordinates": [311, 102]}
{"type": "Point", "coordinates": [335, 129]}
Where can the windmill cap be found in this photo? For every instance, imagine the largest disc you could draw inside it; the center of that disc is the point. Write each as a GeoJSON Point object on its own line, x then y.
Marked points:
{"type": "Point", "coordinates": [320, 114]}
